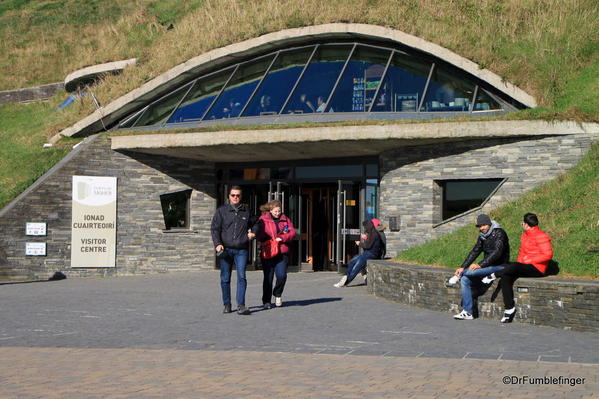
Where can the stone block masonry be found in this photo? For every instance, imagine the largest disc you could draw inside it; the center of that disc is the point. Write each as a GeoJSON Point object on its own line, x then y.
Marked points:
{"type": "Point", "coordinates": [143, 245]}
{"type": "Point", "coordinates": [409, 176]}
{"type": "Point", "coordinates": [567, 304]}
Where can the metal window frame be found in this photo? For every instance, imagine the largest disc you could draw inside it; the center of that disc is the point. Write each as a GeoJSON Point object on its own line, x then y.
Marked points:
{"type": "Point", "coordinates": [334, 89]}
{"type": "Point", "coordinates": [179, 103]}
{"type": "Point", "coordinates": [259, 84]}
{"type": "Point", "coordinates": [299, 78]}
{"type": "Point", "coordinates": [159, 100]}
{"type": "Point", "coordinates": [425, 91]}
{"type": "Point", "coordinates": [220, 92]}
{"type": "Point", "coordinates": [383, 77]}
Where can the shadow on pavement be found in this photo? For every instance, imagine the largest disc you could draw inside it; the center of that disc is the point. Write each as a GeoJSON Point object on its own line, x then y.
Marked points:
{"type": "Point", "coordinates": [307, 302]}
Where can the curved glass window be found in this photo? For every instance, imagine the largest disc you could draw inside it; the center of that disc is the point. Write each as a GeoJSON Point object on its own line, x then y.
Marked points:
{"type": "Point", "coordinates": [403, 86]}
{"type": "Point", "coordinates": [448, 92]}
{"type": "Point", "coordinates": [361, 78]}
{"type": "Point", "coordinates": [484, 102]}
{"type": "Point", "coordinates": [275, 87]}
{"type": "Point", "coordinates": [239, 89]}
{"type": "Point", "coordinates": [199, 98]}
{"type": "Point", "coordinates": [315, 86]}
{"type": "Point", "coordinates": [158, 112]}
{"type": "Point", "coordinates": [336, 78]}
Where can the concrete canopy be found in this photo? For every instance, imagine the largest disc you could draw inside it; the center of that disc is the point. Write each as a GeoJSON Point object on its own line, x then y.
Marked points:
{"type": "Point", "coordinates": [330, 142]}
{"type": "Point", "coordinates": [218, 58]}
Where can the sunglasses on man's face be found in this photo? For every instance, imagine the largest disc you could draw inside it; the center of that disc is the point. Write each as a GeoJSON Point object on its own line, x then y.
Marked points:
{"type": "Point", "coordinates": [235, 195]}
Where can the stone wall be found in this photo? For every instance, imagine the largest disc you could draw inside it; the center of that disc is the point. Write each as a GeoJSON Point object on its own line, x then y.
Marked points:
{"type": "Point", "coordinates": [142, 244]}
{"type": "Point", "coordinates": [30, 93]}
{"type": "Point", "coordinates": [566, 304]}
{"type": "Point", "coordinates": [408, 175]}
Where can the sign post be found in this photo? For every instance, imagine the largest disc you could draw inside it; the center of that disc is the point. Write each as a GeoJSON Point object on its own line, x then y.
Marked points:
{"type": "Point", "coordinates": [93, 229]}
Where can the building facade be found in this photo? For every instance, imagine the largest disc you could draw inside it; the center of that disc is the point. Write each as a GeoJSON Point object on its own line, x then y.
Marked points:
{"type": "Point", "coordinates": [422, 175]}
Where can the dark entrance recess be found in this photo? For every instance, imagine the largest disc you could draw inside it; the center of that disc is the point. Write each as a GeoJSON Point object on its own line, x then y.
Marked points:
{"type": "Point", "coordinates": [325, 199]}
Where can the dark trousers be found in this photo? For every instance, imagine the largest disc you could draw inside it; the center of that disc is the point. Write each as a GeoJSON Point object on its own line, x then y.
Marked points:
{"type": "Point", "coordinates": [509, 274]}
{"type": "Point", "coordinates": [272, 267]}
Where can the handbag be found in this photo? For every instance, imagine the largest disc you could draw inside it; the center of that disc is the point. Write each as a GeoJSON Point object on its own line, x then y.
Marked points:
{"type": "Point", "coordinates": [270, 249]}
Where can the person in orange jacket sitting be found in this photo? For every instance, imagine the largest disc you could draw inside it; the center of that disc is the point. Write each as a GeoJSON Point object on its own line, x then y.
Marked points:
{"type": "Point", "coordinates": [535, 254]}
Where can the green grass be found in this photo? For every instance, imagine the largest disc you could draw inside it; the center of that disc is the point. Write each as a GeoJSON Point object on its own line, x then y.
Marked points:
{"type": "Point", "coordinates": [568, 210]}
{"type": "Point", "coordinates": [22, 159]}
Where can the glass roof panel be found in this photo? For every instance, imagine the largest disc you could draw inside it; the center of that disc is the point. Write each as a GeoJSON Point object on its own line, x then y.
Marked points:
{"type": "Point", "coordinates": [448, 92]}
{"type": "Point", "coordinates": [360, 80]}
{"type": "Point", "coordinates": [403, 85]}
{"type": "Point", "coordinates": [485, 102]}
{"type": "Point", "coordinates": [158, 112]}
{"type": "Point", "coordinates": [239, 89]}
{"type": "Point", "coordinates": [316, 84]}
{"type": "Point", "coordinates": [275, 87]}
{"type": "Point", "coordinates": [200, 97]}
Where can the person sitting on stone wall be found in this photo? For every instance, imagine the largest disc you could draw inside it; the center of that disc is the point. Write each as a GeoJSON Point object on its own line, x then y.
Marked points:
{"type": "Point", "coordinates": [535, 255]}
{"type": "Point", "coordinates": [373, 243]}
{"type": "Point", "coordinates": [494, 243]}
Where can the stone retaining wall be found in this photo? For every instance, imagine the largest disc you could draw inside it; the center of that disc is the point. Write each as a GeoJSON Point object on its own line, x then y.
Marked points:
{"type": "Point", "coordinates": [30, 93]}
{"type": "Point", "coordinates": [143, 246]}
{"type": "Point", "coordinates": [567, 304]}
{"type": "Point", "coordinates": [408, 187]}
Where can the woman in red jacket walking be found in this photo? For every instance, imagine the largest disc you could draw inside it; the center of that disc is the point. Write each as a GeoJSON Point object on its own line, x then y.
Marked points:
{"type": "Point", "coordinates": [535, 254]}
{"type": "Point", "coordinates": [274, 231]}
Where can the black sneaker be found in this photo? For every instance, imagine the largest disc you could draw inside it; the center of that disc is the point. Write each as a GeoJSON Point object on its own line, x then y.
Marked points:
{"type": "Point", "coordinates": [267, 306]}
{"type": "Point", "coordinates": [227, 308]}
{"type": "Point", "coordinates": [242, 310]}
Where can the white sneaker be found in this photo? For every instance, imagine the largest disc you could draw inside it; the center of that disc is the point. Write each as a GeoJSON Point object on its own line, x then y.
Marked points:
{"type": "Point", "coordinates": [452, 281]}
{"type": "Point", "coordinates": [463, 315]}
{"type": "Point", "coordinates": [341, 282]}
{"type": "Point", "coordinates": [278, 301]}
{"type": "Point", "coordinates": [489, 279]}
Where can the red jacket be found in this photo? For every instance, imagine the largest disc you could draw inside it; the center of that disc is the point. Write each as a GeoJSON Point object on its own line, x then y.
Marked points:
{"type": "Point", "coordinates": [267, 230]}
{"type": "Point", "coordinates": [535, 248]}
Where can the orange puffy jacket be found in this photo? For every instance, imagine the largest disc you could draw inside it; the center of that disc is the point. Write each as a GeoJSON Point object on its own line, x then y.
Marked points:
{"type": "Point", "coordinates": [535, 248]}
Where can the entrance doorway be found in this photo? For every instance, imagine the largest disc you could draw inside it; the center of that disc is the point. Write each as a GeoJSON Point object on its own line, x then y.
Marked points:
{"type": "Point", "coordinates": [326, 210]}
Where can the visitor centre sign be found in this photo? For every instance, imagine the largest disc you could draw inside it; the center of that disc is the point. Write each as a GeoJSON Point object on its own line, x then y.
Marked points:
{"type": "Point", "coordinates": [93, 229]}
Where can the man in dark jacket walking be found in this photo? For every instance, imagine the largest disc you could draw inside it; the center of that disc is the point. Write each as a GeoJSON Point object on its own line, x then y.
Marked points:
{"type": "Point", "coordinates": [231, 234]}
{"type": "Point", "coordinates": [494, 243]}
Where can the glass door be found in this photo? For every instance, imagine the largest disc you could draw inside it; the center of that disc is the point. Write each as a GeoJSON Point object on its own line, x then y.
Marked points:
{"type": "Point", "coordinates": [289, 196]}
{"type": "Point", "coordinates": [347, 222]}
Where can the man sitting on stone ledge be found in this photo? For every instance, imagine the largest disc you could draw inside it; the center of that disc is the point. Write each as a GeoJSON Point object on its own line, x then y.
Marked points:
{"type": "Point", "coordinates": [494, 243]}
{"type": "Point", "coordinates": [535, 254]}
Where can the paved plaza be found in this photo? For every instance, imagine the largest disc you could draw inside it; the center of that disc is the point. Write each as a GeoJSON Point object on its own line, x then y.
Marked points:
{"type": "Point", "coordinates": [160, 336]}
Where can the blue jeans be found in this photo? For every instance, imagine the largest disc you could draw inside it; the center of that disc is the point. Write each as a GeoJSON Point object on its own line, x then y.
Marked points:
{"type": "Point", "coordinates": [470, 277]}
{"type": "Point", "coordinates": [240, 257]}
{"type": "Point", "coordinates": [276, 266]}
{"type": "Point", "coordinates": [356, 264]}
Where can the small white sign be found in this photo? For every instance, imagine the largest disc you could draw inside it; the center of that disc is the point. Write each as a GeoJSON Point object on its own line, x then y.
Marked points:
{"type": "Point", "coordinates": [35, 229]}
{"type": "Point", "coordinates": [354, 232]}
{"type": "Point", "coordinates": [35, 248]}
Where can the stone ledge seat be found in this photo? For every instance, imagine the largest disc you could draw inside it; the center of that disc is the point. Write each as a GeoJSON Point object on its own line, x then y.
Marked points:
{"type": "Point", "coordinates": [549, 301]}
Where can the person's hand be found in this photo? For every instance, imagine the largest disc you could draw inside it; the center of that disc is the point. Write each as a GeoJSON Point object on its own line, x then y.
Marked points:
{"type": "Point", "coordinates": [251, 236]}
{"type": "Point", "coordinates": [458, 271]}
{"type": "Point", "coordinates": [364, 236]}
{"type": "Point", "coordinates": [474, 266]}
{"type": "Point", "coordinates": [357, 242]}
{"type": "Point", "coordinates": [279, 239]}
{"type": "Point", "coordinates": [219, 248]}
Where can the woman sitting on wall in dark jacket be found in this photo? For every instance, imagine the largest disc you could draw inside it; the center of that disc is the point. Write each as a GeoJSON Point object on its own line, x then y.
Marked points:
{"type": "Point", "coordinates": [373, 242]}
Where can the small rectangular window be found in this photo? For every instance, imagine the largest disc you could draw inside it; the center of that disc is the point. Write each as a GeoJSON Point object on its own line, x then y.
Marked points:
{"type": "Point", "coordinates": [175, 209]}
{"type": "Point", "coordinates": [459, 196]}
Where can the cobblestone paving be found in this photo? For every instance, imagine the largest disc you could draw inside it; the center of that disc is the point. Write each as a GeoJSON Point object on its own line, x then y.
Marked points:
{"type": "Point", "coordinates": [165, 336]}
